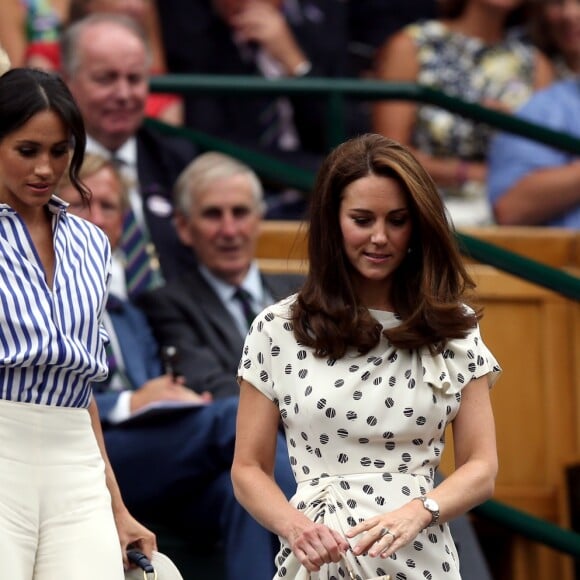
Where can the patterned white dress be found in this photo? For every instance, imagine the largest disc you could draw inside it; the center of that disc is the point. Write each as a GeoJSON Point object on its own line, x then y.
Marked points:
{"type": "Point", "coordinates": [365, 434]}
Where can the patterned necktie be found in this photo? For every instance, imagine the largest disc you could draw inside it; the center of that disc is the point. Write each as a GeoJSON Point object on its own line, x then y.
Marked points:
{"type": "Point", "coordinates": [244, 299]}
{"type": "Point", "coordinates": [142, 271]}
{"type": "Point", "coordinates": [141, 265]}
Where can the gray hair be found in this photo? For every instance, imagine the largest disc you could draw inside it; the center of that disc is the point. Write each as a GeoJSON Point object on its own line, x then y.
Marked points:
{"type": "Point", "coordinates": [206, 169]}
{"type": "Point", "coordinates": [69, 41]}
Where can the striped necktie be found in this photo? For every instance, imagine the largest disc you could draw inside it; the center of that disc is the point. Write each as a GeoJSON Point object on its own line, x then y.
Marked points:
{"type": "Point", "coordinates": [141, 265]}
{"type": "Point", "coordinates": [142, 271]}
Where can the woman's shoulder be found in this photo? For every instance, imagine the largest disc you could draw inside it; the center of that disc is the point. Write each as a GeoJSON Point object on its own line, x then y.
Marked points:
{"type": "Point", "coordinates": [83, 229]}
{"type": "Point", "coordinates": [427, 29]}
{"type": "Point", "coordinates": [279, 311]}
{"type": "Point", "coordinates": [81, 224]}
{"type": "Point", "coordinates": [397, 57]}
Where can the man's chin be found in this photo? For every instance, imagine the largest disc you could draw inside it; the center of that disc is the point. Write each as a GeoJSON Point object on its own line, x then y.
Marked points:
{"type": "Point", "coordinates": [232, 271]}
{"type": "Point", "coordinates": [112, 137]}
{"type": "Point", "coordinates": [122, 126]}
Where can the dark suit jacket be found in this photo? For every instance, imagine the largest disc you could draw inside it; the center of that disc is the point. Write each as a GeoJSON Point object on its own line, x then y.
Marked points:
{"type": "Point", "coordinates": [139, 349]}
{"type": "Point", "coordinates": [160, 160]}
{"type": "Point", "coordinates": [188, 314]}
{"type": "Point", "coordinates": [199, 42]}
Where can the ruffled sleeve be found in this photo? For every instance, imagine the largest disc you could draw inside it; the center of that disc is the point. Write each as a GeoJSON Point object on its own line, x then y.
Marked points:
{"type": "Point", "coordinates": [462, 360]}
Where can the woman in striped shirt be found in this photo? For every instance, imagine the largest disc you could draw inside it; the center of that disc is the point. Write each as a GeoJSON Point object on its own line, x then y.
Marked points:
{"type": "Point", "coordinates": [61, 512]}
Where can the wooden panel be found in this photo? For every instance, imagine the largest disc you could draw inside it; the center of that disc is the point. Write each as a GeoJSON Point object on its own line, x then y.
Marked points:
{"type": "Point", "coordinates": [552, 246]}
{"type": "Point", "coordinates": [282, 240]}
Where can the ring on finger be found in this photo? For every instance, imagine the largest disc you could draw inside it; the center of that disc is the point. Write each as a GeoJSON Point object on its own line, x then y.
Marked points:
{"type": "Point", "coordinates": [383, 532]}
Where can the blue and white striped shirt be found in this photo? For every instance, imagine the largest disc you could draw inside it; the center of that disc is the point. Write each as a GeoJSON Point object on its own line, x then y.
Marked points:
{"type": "Point", "coordinates": [52, 342]}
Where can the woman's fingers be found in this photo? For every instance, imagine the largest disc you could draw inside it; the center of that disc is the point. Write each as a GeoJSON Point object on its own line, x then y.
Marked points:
{"type": "Point", "coordinates": [320, 546]}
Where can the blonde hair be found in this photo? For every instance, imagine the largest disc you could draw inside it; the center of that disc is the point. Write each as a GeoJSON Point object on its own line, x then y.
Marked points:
{"type": "Point", "coordinates": [92, 164]}
{"type": "Point", "coordinates": [4, 61]}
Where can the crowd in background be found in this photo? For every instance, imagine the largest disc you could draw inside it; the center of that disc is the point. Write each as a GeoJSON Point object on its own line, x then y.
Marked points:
{"type": "Point", "coordinates": [490, 52]}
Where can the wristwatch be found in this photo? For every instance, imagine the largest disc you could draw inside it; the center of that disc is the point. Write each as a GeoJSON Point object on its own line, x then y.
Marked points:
{"type": "Point", "coordinates": [431, 506]}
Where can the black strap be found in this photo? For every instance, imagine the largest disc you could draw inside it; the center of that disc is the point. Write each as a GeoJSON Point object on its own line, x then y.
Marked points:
{"type": "Point", "coordinates": [140, 560]}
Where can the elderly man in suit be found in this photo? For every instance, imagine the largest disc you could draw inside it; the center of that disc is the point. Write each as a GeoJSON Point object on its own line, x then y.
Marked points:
{"type": "Point", "coordinates": [206, 312]}
{"type": "Point", "coordinates": [171, 448]}
{"type": "Point", "coordinates": [105, 62]}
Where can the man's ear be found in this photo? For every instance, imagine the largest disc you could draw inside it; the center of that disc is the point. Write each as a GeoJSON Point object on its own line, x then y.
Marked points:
{"type": "Point", "coordinates": [182, 228]}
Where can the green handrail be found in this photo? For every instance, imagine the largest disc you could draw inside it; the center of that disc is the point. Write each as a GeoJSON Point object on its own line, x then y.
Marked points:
{"type": "Point", "coordinates": [531, 527]}
{"type": "Point", "coordinates": [552, 278]}
{"type": "Point", "coordinates": [362, 89]}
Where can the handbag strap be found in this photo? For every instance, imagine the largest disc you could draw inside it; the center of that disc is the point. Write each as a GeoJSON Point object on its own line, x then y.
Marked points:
{"type": "Point", "coordinates": [141, 561]}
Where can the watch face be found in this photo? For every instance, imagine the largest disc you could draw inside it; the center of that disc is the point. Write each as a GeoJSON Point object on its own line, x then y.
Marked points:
{"type": "Point", "coordinates": [431, 505]}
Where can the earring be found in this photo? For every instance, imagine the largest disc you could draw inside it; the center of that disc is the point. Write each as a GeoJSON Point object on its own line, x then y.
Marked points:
{"type": "Point", "coordinates": [409, 250]}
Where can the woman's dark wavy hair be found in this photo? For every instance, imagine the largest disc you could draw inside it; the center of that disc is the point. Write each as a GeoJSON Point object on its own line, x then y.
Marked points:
{"type": "Point", "coordinates": [454, 9]}
{"type": "Point", "coordinates": [24, 92]}
{"type": "Point", "coordinates": [428, 289]}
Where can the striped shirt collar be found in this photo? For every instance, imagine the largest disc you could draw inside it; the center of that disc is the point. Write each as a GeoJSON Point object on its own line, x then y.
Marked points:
{"type": "Point", "coordinates": [55, 205]}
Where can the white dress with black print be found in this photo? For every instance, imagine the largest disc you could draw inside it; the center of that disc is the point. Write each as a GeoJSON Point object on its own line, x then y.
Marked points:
{"type": "Point", "coordinates": [365, 434]}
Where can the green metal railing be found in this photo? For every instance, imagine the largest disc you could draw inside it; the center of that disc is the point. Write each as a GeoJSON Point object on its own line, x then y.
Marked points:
{"type": "Point", "coordinates": [531, 527]}
{"type": "Point", "coordinates": [337, 91]}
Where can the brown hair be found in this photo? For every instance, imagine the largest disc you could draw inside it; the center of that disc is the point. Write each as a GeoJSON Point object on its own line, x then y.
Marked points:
{"type": "Point", "coordinates": [540, 33]}
{"type": "Point", "coordinates": [428, 287]}
{"type": "Point", "coordinates": [451, 8]}
{"type": "Point", "coordinates": [454, 9]}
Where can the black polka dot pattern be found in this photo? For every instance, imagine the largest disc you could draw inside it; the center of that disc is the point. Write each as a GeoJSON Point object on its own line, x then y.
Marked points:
{"type": "Point", "coordinates": [365, 434]}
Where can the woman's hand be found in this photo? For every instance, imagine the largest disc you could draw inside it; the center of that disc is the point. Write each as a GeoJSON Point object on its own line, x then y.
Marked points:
{"type": "Point", "coordinates": [384, 534]}
{"type": "Point", "coordinates": [316, 544]}
{"type": "Point", "coordinates": [133, 535]}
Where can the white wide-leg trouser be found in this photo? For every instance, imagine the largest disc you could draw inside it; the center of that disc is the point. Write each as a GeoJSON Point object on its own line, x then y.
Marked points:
{"type": "Point", "coordinates": [56, 521]}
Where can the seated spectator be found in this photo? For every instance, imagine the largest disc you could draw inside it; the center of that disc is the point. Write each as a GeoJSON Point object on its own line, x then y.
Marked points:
{"type": "Point", "coordinates": [554, 28]}
{"type": "Point", "coordinates": [468, 53]}
{"type": "Point", "coordinates": [163, 106]}
{"type": "Point", "coordinates": [30, 29]}
{"type": "Point", "coordinates": [172, 467]}
{"type": "Point", "coordinates": [206, 312]}
{"type": "Point", "coordinates": [270, 39]}
{"type": "Point", "coordinates": [105, 65]}
{"type": "Point", "coordinates": [531, 183]}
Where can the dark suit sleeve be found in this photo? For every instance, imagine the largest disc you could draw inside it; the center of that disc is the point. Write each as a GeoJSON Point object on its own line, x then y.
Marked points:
{"type": "Point", "coordinates": [140, 355]}
{"type": "Point", "coordinates": [186, 327]}
{"type": "Point", "coordinates": [106, 402]}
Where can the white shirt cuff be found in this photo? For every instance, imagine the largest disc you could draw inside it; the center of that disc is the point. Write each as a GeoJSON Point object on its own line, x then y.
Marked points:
{"type": "Point", "coordinates": [122, 409]}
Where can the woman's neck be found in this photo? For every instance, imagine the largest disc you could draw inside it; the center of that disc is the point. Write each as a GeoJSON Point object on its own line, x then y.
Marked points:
{"type": "Point", "coordinates": [484, 23]}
